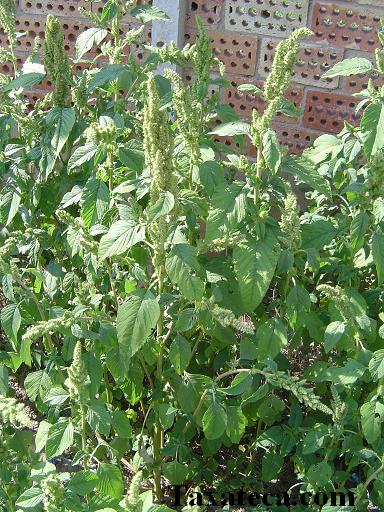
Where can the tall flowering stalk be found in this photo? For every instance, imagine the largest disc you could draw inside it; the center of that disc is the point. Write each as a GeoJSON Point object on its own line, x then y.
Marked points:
{"type": "Point", "coordinates": [56, 60]}
{"type": "Point", "coordinates": [275, 87]}
{"type": "Point", "coordinates": [190, 103]}
{"type": "Point", "coordinates": [158, 146]}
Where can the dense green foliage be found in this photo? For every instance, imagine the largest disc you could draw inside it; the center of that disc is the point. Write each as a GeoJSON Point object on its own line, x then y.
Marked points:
{"type": "Point", "coordinates": [171, 312]}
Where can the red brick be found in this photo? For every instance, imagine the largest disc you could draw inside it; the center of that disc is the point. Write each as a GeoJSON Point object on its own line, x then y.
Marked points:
{"type": "Point", "coordinates": [237, 52]}
{"type": "Point", "coordinates": [68, 8]}
{"type": "Point", "coordinates": [210, 12]}
{"type": "Point", "coordinates": [312, 62]}
{"type": "Point", "coordinates": [348, 27]}
{"type": "Point", "coordinates": [327, 112]}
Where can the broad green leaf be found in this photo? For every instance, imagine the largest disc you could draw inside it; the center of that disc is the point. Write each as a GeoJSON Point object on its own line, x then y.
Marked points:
{"type": "Point", "coordinates": [65, 120]}
{"type": "Point", "coordinates": [214, 420]}
{"type": "Point", "coordinates": [175, 472]}
{"type": "Point", "coordinates": [236, 423]}
{"type": "Point", "coordinates": [72, 197]}
{"type": "Point", "coordinates": [372, 126]}
{"type": "Point", "coordinates": [57, 395]}
{"type": "Point", "coordinates": [232, 128]}
{"type": "Point", "coordinates": [228, 210]}
{"type": "Point", "coordinates": [163, 206]}
{"type": "Point", "coordinates": [53, 272]}
{"type": "Point", "coordinates": [271, 409]}
{"type": "Point", "coordinates": [348, 374]}
{"type": "Point", "coordinates": [378, 209]}
{"type": "Point", "coordinates": [179, 354]}
{"type": "Point", "coordinates": [270, 338]}
{"type": "Point", "coordinates": [333, 334]}
{"type": "Point", "coordinates": [359, 226]}
{"type": "Point", "coordinates": [11, 321]}
{"type": "Point", "coordinates": [95, 201]}
{"type": "Point", "coordinates": [83, 482]}
{"type": "Point", "coordinates": [81, 155]}
{"type": "Point", "coordinates": [248, 349]}
{"type": "Point", "coordinates": [271, 150]}
{"type": "Point", "coordinates": [255, 263]}
{"type": "Point", "coordinates": [305, 172]}
{"type": "Point", "coordinates": [211, 174]}
{"type": "Point", "coordinates": [9, 205]}
{"type": "Point", "coordinates": [30, 498]}
{"type": "Point", "coordinates": [298, 299]}
{"type": "Point", "coordinates": [319, 474]}
{"type": "Point", "coordinates": [325, 146]}
{"type": "Point", "coordinates": [135, 320]}
{"type": "Point", "coordinates": [378, 254]}
{"type": "Point", "coordinates": [99, 418]}
{"type": "Point", "coordinates": [132, 157]}
{"type": "Point", "coordinates": [250, 89]}
{"type": "Point", "coordinates": [147, 13]}
{"type": "Point", "coordinates": [26, 81]}
{"type": "Point", "coordinates": [315, 438]}
{"type": "Point", "coordinates": [37, 384]}
{"type": "Point", "coordinates": [240, 383]}
{"type": "Point", "coordinates": [110, 481]}
{"type": "Point", "coordinates": [59, 439]}
{"type": "Point", "coordinates": [372, 416]}
{"type": "Point", "coordinates": [182, 266]}
{"type": "Point", "coordinates": [105, 75]}
{"type": "Point", "coordinates": [193, 202]}
{"type": "Point", "coordinates": [317, 234]}
{"type": "Point", "coordinates": [42, 435]}
{"type": "Point", "coordinates": [348, 67]}
{"type": "Point", "coordinates": [167, 415]}
{"type": "Point", "coordinates": [122, 235]}
{"type": "Point", "coordinates": [89, 38]}
{"type": "Point", "coordinates": [121, 424]}
{"type": "Point", "coordinates": [376, 365]}
{"type": "Point", "coordinates": [271, 466]}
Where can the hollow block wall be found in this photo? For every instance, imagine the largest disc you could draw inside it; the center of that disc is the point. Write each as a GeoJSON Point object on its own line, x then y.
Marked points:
{"type": "Point", "coordinates": [245, 34]}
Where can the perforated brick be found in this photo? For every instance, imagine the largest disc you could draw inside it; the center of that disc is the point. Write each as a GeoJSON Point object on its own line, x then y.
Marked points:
{"type": "Point", "coordinates": [357, 83]}
{"type": "Point", "coordinates": [210, 11]}
{"type": "Point", "coordinates": [244, 103]}
{"type": "Point", "coordinates": [273, 17]}
{"type": "Point", "coordinates": [237, 52]}
{"type": "Point", "coordinates": [296, 139]}
{"type": "Point", "coordinates": [312, 62]}
{"type": "Point", "coordinates": [68, 8]}
{"type": "Point", "coordinates": [327, 112]}
{"type": "Point", "coordinates": [35, 26]}
{"type": "Point", "coordinates": [349, 27]}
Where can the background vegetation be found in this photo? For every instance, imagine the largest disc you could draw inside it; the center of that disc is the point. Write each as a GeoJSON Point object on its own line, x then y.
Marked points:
{"type": "Point", "coordinates": [172, 315]}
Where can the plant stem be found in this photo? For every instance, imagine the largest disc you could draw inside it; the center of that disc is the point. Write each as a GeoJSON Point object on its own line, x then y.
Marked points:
{"type": "Point", "coordinates": [369, 480]}
{"type": "Point", "coordinates": [158, 434]}
{"type": "Point", "coordinates": [108, 393]}
{"type": "Point", "coordinates": [256, 191]}
{"type": "Point", "coordinates": [110, 167]}
{"type": "Point", "coordinates": [146, 371]}
{"type": "Point", "coordinates": [83, 434]}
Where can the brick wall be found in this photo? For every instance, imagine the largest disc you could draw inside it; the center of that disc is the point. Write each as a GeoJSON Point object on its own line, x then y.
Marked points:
{"type": "Point", "coordinates": [245, 34]}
